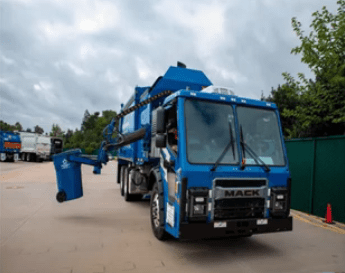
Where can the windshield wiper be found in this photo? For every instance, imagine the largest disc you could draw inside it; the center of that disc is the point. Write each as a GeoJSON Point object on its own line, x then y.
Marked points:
{"type": "Point", "coordinates": [230, 144]}
{"type": "Point", "coordinates": [257, 159]}
{"type": "Point", "coordinates": [243, 149]}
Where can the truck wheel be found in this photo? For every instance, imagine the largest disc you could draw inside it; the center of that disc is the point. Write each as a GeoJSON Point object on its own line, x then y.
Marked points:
{"type": "Point", "coordinates": [122, 179]}
{"type": "Point", "coordinates": [23, 156]}
{"type": "Point", "coordinates": [118, 179]}
{"type": "Point", "coordinates": [28, 157]}
{"type": "Point", "coordinates": [157, 213]}
{"type": "Point", "coordinates": [125, 185]}
{"type": "Point", "coordinates": [38, 159]}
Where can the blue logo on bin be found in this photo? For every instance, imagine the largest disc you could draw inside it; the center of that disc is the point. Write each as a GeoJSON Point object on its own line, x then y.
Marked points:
{"type": "Point", "coordinates": [65, 164]}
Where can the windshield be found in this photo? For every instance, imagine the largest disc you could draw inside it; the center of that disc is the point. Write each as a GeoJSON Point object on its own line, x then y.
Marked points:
{"type": "Point", "coordinates": [261, 134]}
{"type": "Point", "coordinates": [208, 132]}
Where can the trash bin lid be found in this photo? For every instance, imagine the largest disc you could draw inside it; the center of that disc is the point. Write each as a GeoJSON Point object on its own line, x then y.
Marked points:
{"type": "Point", "coordinates": [69, 152]}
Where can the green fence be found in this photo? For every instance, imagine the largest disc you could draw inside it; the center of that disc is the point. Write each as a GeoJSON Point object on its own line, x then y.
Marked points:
{"type": "Point", "coordinates": [317, 168]}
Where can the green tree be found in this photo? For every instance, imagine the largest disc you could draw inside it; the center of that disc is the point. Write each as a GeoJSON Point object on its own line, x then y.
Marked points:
{"type": "Point", "coordinates": [56, 131]}
{"type": "Point", "coordinates": [285, 97]}
{"type": "Point", "coordinates": [85, 119]}
{"type": "Point", "coordinates": [4, 126]}
{"type": "Point", "coordinates": [38, 130]}
{"type": "Point", "coordinates": [322, 111]}
{"type": "Point", "coordinates": [318, 105]}
{"type": "Point", "coordinates": [18, 126]}
{"type": "Point", "coordinates": [90, 137]}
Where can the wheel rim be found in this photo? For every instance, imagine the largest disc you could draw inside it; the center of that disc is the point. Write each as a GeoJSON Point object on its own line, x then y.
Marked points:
{"type": "Point", "coordinates": [155, 210]}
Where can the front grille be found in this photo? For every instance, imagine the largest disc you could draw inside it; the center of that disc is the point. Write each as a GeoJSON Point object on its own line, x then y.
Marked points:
{"type": "Point", "coordinates": [239, 208]}
{"type": "Point", "coordinates": [240, 183]}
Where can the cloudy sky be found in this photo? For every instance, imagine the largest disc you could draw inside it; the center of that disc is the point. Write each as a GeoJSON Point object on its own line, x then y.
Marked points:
{"type": "Point", "coordinates": [61, 57]}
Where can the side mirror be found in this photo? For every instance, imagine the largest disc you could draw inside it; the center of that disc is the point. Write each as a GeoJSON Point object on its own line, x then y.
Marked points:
{"type": "Point", "coordinates": [160, 122]}
{"type": "Point", "coordinates": [161, 140]}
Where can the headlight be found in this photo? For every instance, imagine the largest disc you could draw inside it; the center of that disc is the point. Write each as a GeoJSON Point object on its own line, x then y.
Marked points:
{"type": "Point", "coordinates": [197, 204]}
{"type": "Point", "coordinates": [199, 210]}
{"type": "Point", "coordinates": [279, 204]}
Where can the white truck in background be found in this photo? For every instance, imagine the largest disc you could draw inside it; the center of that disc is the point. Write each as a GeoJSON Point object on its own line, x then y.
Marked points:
{"type": "Point", "coordinates": [35, 147]}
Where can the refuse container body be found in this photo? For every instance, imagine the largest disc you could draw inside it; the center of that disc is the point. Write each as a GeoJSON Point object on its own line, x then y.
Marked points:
{"type": "Point", "coordinates": [68, 175]}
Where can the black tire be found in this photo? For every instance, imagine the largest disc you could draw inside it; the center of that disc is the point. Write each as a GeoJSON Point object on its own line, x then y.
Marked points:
{"type": "Point", "coordinates": [118, 178]}
{"type": "Point", "coordinates": [61, 196]}
{"type": "Point", "coordinates": [122, 179]}
{"type": "Point", "coordinates": [157, 213]}
{"type": "Point", "coordinates": [125, 185]}
{"type": "Point", "coordinates": [23, 157]}
{"type": "Point", "coordinates": [38, 159]}
{"type": "Point", "coordinates": [28, 157]}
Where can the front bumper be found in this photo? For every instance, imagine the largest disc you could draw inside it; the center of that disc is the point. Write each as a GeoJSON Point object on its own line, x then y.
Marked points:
{"type": "Point", "coordinates": [239, 227]}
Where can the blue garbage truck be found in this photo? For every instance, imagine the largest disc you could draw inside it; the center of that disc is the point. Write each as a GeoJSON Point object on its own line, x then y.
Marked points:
{"type": "Point", "coordinates": [213, 163]}
{"type": "Point", "coordinates": [10, 145]}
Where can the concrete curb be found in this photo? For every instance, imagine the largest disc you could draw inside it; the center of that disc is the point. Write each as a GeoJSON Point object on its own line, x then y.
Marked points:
{"type": "Point", "coordinates": [318, 221]}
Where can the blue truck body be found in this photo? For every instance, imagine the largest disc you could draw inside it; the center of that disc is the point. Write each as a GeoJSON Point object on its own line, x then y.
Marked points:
{"type": "Point", "coordinates": [214, 164]}
{"type": "Point", "coordinates": [10, 145]}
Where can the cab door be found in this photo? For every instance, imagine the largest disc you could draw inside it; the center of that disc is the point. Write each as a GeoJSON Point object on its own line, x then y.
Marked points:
{"type": "Point", "coordinates": [170, 168]}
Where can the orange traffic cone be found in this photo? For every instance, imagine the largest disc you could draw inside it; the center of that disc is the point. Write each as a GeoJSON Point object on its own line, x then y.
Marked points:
{"type": "Point", "coordinates": [329, 219]}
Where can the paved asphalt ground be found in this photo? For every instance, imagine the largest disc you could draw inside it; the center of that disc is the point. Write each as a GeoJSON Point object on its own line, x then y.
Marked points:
{"type": "Point", "coordinates": [102, 233]}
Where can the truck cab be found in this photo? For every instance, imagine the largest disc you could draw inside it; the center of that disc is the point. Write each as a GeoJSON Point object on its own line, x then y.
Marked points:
{"type": "Point", "coordinates": [56, 146]}
{"type": "Point", "coordinates": [10, 144]}
{"type": "Point", "coordinates": [214, 163]}
{"type": "Point", "coordinates": [224, 166]}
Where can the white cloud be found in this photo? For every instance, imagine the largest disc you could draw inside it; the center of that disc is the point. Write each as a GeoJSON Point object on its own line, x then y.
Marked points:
{"type": "Point", "coordinates": [229, 74]}
{"type": "Point", "coordinates": [143, 69]}
{"type": "Point", "coordinates": [7, 61]}
{"type": "Point", "coordinates": [89, 17]}
{"type": "Point", "coordinates": [60, 55]}
{"type": "Point", "coordinates": [71, 66]}
{"type": "Point", "coordinates": [44, 91]}
{"type": "Point", "coordinates": [95, 16]}
{"type": "Point", "coordinates": [111, 77]}
{"type": "Point", "coordinates": [204, 21]}
{"type": "Point", "coordinates": [87, 50]}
